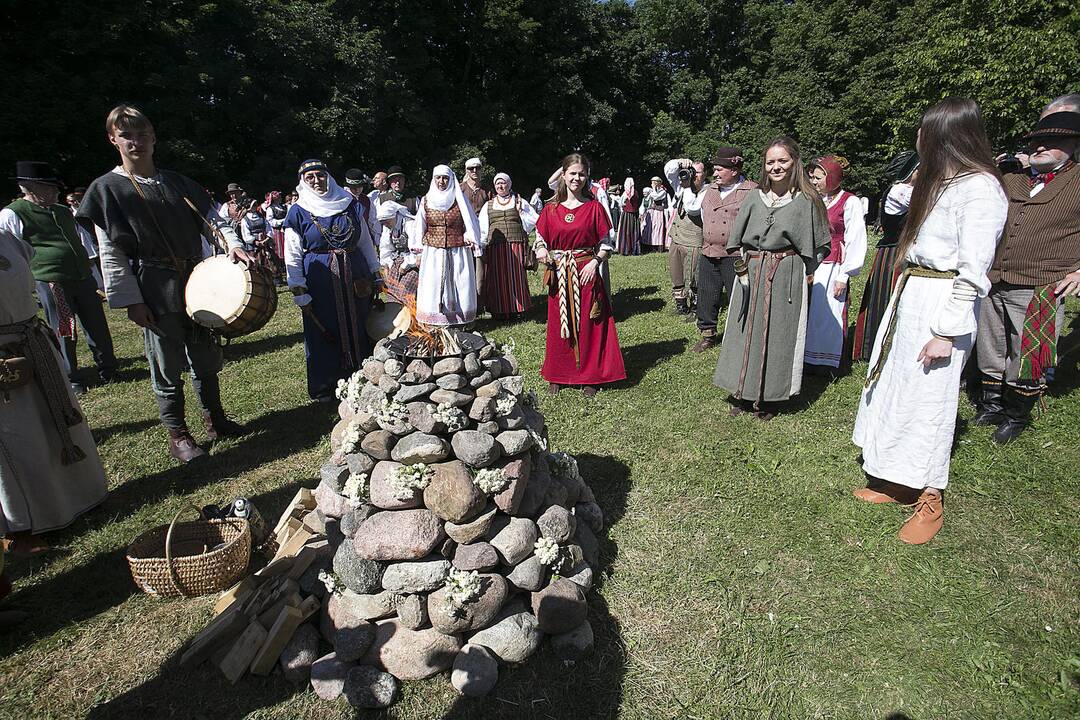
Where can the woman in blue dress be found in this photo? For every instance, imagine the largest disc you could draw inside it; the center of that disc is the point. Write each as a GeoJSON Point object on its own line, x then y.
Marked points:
{"type": "Point", "coordinates": [332, 270]}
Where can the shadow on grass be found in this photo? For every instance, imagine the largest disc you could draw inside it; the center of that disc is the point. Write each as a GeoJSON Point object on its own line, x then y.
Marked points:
{"type": "Point", "coordinates": [101, 434]}
{"type": "Point", "coordinates": [241, 349]}
{"type": "Point", "coordinates": [640, 359]}
{"type": "Point", "coordinates": [632, 301]}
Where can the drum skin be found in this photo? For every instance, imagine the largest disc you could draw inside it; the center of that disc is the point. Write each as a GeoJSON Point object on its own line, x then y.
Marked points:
{"type": "Point", "coordinates": [230, 298]}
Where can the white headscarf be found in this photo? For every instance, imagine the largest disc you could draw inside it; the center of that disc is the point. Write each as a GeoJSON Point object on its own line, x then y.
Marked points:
{"type": "Point", "coordinates": [335, 200]}
{"type": "Point", "coordinates": [509, 182]}
{"type": "Point", "coordinates": [442, 200]}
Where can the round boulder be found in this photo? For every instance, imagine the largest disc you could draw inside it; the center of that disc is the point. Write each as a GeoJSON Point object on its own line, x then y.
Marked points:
{"type": "Point", "coordinates": [452, 494]}
{"type": "Point", "coordinates": [475, 671]}
{"type": "Point", "coordinates": [398, 535]}
{"type": "Point", "coordinates": [369, 687]}
{"type": "Point", "coordinates": [411, 654]}
{"type": "Point", "coordinates": [475, 448]}
{"type": "Point", "coordinates": [560, 607]}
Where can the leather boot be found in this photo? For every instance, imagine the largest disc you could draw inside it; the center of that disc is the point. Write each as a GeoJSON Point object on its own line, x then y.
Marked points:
{"type": "Point", "coordinates": [218, 425]}
{"type": "Point", "coordinates": [681, 308]}
{"type": "Point", "coordinates": [706, 342]}
{"type": "Point", "coordinates": [182, 446]}
{"type": "Point", "coordinates": [991, 408]}
{"type": "Point", "coordinates": [926, 521]}
{"type": "Point", "coordinates": [1018, 407]}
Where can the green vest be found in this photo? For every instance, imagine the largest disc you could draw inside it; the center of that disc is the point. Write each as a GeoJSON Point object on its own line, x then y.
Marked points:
{"type": "Point", "coordinates": [60, 255]}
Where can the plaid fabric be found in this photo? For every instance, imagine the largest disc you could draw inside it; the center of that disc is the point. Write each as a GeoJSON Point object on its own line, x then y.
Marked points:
{"type": "Point", "coordinates": [66, 318]}
{"type": "Point", "coordinates": [1038, 342]}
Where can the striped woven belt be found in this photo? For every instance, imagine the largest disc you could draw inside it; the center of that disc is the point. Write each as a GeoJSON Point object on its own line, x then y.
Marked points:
{"type": "Point", "coordinates": [890, 331]}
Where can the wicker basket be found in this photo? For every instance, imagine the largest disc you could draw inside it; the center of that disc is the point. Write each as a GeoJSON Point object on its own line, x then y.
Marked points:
{"type": "Point", "coordinates": [199, 557]}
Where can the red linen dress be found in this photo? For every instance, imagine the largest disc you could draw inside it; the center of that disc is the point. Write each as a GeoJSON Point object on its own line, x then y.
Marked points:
{"type": "Point", "coordinates": [599, 356]}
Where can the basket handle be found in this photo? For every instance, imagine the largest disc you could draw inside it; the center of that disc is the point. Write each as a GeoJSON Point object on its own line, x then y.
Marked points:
{"type": "Point", "coordinates": [168, 550]}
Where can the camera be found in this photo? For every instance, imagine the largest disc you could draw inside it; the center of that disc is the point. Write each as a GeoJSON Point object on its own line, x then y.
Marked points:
{"type": "Point", "coordinates": [686, 176]}
{"type": "Point", "coordinates": [1010, 164]}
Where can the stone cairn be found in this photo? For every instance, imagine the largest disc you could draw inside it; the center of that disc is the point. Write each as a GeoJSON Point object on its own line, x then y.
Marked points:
{"type": "Point", "coordinates": [458, 541]}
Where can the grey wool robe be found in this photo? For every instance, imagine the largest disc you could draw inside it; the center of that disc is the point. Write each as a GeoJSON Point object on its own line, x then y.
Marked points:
{"type": "Point", "coordinates": [761, 357]}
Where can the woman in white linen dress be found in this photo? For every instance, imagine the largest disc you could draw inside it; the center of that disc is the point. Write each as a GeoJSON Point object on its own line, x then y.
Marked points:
{"type": "Point", "coordinates": [907, 413]}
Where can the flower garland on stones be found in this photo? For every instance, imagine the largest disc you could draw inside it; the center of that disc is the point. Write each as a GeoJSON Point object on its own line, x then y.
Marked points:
{"type": "Point", "coordinates": [407, 479]}
{"type": "Point", "coordinates": [349, 390]}
{"type": "Point", "coordinates": [547, 550]}
{"type": "Point", "coordinates": [350, 437]}
{"type": "Point", "coordinates": [461, 587]}
{"type": "Point", "coordinates": [356, 489]}
{"type": "Point", "coordinates": [505, 404]}
{"type": "Point", "coordinates": [491, 481]}
{"type": "Point", "coordinates": [331, 582]}
{"type": "Point", "coordinates": [453, 418]}
{"type": "Point", "coordinates": [391, 413]}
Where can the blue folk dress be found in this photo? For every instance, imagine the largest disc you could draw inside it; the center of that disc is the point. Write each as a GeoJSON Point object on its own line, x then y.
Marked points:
{"type": "Point", "coordinates": [332, 262]}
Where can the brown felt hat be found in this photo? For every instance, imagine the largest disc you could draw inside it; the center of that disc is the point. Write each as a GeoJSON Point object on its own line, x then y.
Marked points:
{"type": "Point", "coordinates": [729, 157]}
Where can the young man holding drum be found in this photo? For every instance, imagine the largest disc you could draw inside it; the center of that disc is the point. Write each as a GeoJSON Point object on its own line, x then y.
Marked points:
{"type": "Point", "coordinates": [150, 238]}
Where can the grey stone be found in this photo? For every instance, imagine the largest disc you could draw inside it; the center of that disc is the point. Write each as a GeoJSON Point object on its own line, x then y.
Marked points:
{"type": "Point", "coordinates": [510, 364]}
{"type": "Point", "coordinates": [416, 577]}
{"type": "Point", "coordinates": [590, 514]}
{"type": "Point", "coordinates": [452, 397]}
{"type": "Point", "coordinates": [397, 426]}
{"type": "Point", "coordinates": [346, 609]}
{"type": "Point", "coordinates": [449, 366]}
{"type": "Point", "coordinates": [488, 428]}
{"type": "Point", "coordinates": [389, 385]}
{"type": "Point", "coordinates": [351, 643]}
{"type": "Point", "coordinates": [336, 435]}
{"type": "Point", "coordinates": [448, 547]}
{"type": "Point", "coordinates": [475, 671]}
{"type": "Point", "coordinates": [480, 380]}
{"type": "Point", "coordinates": [345, 411]}
{"type": "Point", "coordinates": [310, 584]}
{"type": "Point", "coordinates": [557, 523]}
{"type": "Point", "coordinates": [468, 532]}
{"type": "Point", "coordinates": [408, 378]}
{"type": "Point", "coordinates": [581, 575]}
{"type": "Point", "coordinates": [491, 390]}
{"type": "Point", "coordinates": [398, 535]}
{"type": "Point", "coordinates": [514, 421]}
{"type": "Point", "coordinates": [412, 612]}
{"type": "Point", "coordinates": [367, 421]}
{"type": "Point", "coordinates": [493, 366]}
{"type": "Point", "coordinates": [517, 470]}
{"type": "Point", "coordinates": [382, 352]}
{"type": "Point", "coordinates": [352, 520]}
{"type": "Point", "coordinates": [421, 418]}
{"type": "Point", "coordinates": [419, 368]}
{"type": "Point", "coordinates": [556, 493]}
{"type": "Point", "coordinates": [317, 521]}
{"type": "Point", "coordinates": [560, 607]}
{"type": "Point", "coordinates": [514, 635]}
{"type": "Point", "coordinates": [382, 492]}
{"type": "Point", "coordinates": [486, 352]}
{"type": "Point", "coordinates": [369, 687]}
{"type": "Point", "coordinates": [420, 448]}
{"type": "Point", "coordinates": [328, 676]}
{"type": "Point", "coordinates": [393, 368]}
{"type": "Point", "coordinates": [514, 442]}
{"type": "Point", "coordinates": [590, 547]}
{"type": "Point", "coordinates": [472, 615]}
{"type": "Point", "coordinates": [475, 448]}
{"type": "Point", "coordinates": [371, 397]}
{"type": "Point", "coordinates": [513, 384]}
{"type": "Point", "coordinates": [411, 654]}
{"type": "Point", "coordinates": [472, 365]}
{"type": "Point", "coordinates": [573, 486]}
{"type": "Point", "coordinates": [475, 556]}
{"type": "Point", "coordinates": [527, 575]}
{"type": "Point", "coordinates": [334, 476]}
{"type": "Point", "coordinates": [373, 370]}
{"type": "Point", "coordinates": [378, 444]}
{"type": "Point", "coordinates": [572, 646]}
{"type": "Point", "coordinates": [535, 421]}
{"type": "Point", "coordinates": [514, 539]}
{"type": "Point", "coordinates": [359, 463]}
{"type": "Point", "coordinates": [452, 494]}
{"type": "Point", "coordinates": [359, 575]}
{"type": "Point", "coordinates": [332, 504]}
{"type": "Point", "coordinates": [299, 653]}
{"type": "Point", "coordinates": [482, 409]}
{"type": "Point", "coordinates": [452, 382]}
{"type": "Point", "coordinates": [408, 393]}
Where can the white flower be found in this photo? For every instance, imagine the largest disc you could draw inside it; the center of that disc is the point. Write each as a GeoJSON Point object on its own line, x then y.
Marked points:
{"type": "Point", "coordinates": [389, 413]}
{"type": "Point", "coordinates": [508, 347]}
{"type": "Point", "coordinates": [491, 481]}
{"type": "Point", "coordinates": [505, 404]}
{"type": "Point", "coordinates": [462, 587]}
{"type": "Point", "coordinates": [348, 391]}
{"type": "Point", "coordinates": [453, 418]}
{"type": "Point", "coordinates": [329, 581]}
{"type": "Point", "coordinates": [356, 488]}
{"type": "Point", "coordinates": [407, 479]}
{"type": "Point", "coordinates": [350, 438]}
{"type": "Point", "coordinates": [547, 550]}
{"type": "Point", "coordinates": [538, 439]}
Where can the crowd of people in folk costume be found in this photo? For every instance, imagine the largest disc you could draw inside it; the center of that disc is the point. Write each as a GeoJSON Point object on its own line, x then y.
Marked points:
{"type": "Point", "coordinates": [970, 261]}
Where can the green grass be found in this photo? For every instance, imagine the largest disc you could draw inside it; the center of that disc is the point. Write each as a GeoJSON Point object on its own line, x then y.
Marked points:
{"type": "Point", "coordinates": [742, 579]}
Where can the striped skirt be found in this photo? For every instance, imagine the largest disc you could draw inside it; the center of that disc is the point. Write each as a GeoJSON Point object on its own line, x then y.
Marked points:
{"type": "Point", "coordinates": [401, 282]}
{"type": "Point", "coordinates": [506, 285]}
{"type": "Point", "coordinates": [875, 300]}
{"type": "Point", "coordinates": [629, 241]}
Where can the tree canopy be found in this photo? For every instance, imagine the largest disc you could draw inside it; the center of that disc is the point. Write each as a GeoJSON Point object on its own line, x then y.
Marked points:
{"type": "Point", "coordinates": [242, 90]}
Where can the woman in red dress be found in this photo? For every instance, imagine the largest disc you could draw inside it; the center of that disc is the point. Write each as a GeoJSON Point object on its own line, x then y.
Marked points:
{"type": "Point", "coordinates": [573, 239]}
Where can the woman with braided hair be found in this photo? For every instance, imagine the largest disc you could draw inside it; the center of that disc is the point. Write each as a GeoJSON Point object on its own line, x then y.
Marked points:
{"type": "Point", "coordinates": [573, 240]}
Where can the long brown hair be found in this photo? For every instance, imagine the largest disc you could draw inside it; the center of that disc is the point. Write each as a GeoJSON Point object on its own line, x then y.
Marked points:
{"type": "Point", "coordinates": [800, 180]}
{"type": "Point", "coordinates": [562, 192]}
{"type": "Point", "coordinates": [952, 144]}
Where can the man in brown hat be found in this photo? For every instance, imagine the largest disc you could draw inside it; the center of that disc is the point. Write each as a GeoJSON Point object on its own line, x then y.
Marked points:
{"type": "Point", "coordinates": [716, 268]}
{"type": "Point", "coordinates": [233, 211]}
{"type": "Point", "coordinates": [1036, 267]}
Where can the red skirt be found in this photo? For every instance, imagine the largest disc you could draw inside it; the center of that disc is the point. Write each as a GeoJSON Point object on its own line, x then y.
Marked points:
{"type": "Point", "coordinates": [600, 357]}
{"type": "Point", "coordinates": [506, 287]}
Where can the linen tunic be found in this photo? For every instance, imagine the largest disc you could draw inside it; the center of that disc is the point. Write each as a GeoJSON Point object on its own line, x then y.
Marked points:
{"type": "Point", "coordinates": [907, 418]}
{"type": "Point", "coordinates": [756, 364]}
{"type": "Point", "coordinates": [37, 492]}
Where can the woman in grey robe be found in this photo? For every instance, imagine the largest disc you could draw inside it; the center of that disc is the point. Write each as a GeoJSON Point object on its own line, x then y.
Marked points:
{"type": "Point", "coordinates": [50, 472]}
{"type": "Point", "coordinates": [782, 233]}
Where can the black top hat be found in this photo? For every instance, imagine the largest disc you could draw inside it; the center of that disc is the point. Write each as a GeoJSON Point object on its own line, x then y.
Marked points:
{"type": "Point", "coordinates": [355, 177]}
{"type": "Point", "coordinates": [37, 172]}
{"type": "Point", "coordinates": [1057, 125]}
{"type": "Point", "coordinates": [395, 170]}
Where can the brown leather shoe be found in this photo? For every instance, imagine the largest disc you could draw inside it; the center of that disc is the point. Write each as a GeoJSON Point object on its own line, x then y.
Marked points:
{"type": "Point", "coordinates": [589, 391]}
{"type": "Point", "coordinates": [882, 491]}
{"type": "Point", "coordinates": [182, 446]}
{"type": "Point", "coordinates": [220, 426]}
{"type": "Point", "coordinates": [554, 388]}
{"type": "Point", "coordinates": [705, 343]}
{"type": "Point", "coordinates": [925, 523]}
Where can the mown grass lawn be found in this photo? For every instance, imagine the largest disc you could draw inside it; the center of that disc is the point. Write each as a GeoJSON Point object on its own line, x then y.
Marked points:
{"type": "Point", "coordinates": [742, 579]}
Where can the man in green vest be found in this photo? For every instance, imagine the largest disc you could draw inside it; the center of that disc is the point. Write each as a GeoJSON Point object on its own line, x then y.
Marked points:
{"type": "Point", "coordinates": [65, 283]}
